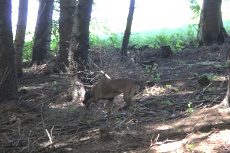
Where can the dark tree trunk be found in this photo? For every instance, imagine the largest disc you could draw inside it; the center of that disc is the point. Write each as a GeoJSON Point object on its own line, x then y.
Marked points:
{"type": "Point", "coordinates": [211, 24]}
{"type": "Point", "coordinates": [166, 51]}
{"type": "Point", "coordinates": [226, 101]}
{"type": "Point", "coordinates": [43, 32]}
{"type": "Point", "coordinates": [125, 42]}
{"type": "Point", "coordinates": [67, 8]}
{"type": "Point", "coordinates": [79, 45]}
{"type": "Point", "coordinates": [8, 79]}
{"type": "Point", "coordinates": [20, 35]}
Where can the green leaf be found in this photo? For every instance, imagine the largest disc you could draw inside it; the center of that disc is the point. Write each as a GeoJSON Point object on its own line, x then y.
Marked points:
{"type": "Point", "coordinates": [168, 102]}
{"type": "Point", "coordinates": [190, 146]}
{"type": "Point", "coordinates": [88, 122]}
{"type": "Point", "coordinates": [175, 89]}
{"type": "Point", "coordinates": [168, 86]}
{"type": "Point", "coordinates": [72, 109]}
{"type": "Point", "coordinates": [118, 119]}
{"type": "Point", "coordinates": [175, 128]}
{"type": "Point", "coordinates": [132, 108]}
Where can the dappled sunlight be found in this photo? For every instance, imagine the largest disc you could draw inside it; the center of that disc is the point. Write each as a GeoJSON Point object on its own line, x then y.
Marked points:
{"type": "Point", "coordinates": [155, 90]}
{"type": "Point", "coordinates": [34, 87]}
{"type": "Point", "coordinates": [222, 135]}
{"type": "Point", "coordinates": [212, 141]}
{"type": "Point", "coordinates": [206, 125]}
{"type": "Point", "coordinates": [67, 105]}
{"type": "Point", "coordinates": [164, 127]}
{"type": "Point", "coordinates": [169, 147]}
{"type": "Point", "coordinates": [160, 90]}
{"type": "Point", "coordinates": [219, 78]}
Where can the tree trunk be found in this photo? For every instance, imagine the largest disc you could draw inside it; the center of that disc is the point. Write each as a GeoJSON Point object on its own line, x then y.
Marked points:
{"type": "Point", "coordinates": [211, 24]}
{"type": "Point", "coordinates": [43, 32]}
{"type": "Point", "coordinates": [125, 42]}
{"type": "Point", "coordinates": [20, 35]}
{"type": "Point", "coordinates": [67, 8]}
{"type": "Point", "coordinates": [79, 45]}
{"type": "Point", "coordinates": [226, 101]}
{"type": "Point", "coordinates": [8, 79]}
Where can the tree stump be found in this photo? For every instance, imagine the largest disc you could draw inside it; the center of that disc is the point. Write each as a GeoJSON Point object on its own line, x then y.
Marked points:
{"type": "Point", "coordinates": [104, 133]}
{"type": "Point", "coordinates": [166, 51]}
{"type": "Point", "coordinates": [203, 81]}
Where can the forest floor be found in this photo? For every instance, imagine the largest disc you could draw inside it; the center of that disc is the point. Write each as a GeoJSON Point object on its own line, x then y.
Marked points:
{"type": "Point", "coordinates": [173, 113]}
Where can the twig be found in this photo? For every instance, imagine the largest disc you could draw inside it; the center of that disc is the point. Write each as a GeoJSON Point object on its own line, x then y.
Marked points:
{"type": "Point", "coordinates": [19, 126]}
{"type": "Point", "coordinates": [54, 96]}
{"type": "Point", "coordinates": [145, 144]}
{"type": "Point", "coordinates": [43, 123]}
{"type": "Point", "coordinates": [51, 131]}
{"type": "Point", "coordinates": [43, 148]}
{"type": "Point", "coordinates": [155, 141]}
{"type": "Point", "coordinates": [4, 76]}
{"type": "Point", "coordinates": [127, 117]}
{"type": "Point", "coordinates": [151, 141]}
{"type": "Point", "coordinates": [49, 136]}
{"type": "Point", "coordinates": [99, 69]}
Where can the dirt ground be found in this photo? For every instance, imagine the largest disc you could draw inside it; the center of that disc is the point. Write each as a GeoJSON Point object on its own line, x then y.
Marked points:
{"type": "Point", "coordinates": [173, 112]}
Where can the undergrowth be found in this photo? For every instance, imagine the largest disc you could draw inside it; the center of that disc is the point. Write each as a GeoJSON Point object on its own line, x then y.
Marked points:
{"type": "Point", "coordinates": [177, 38]}
{"type": "Point", "coordinates": [102, 37]}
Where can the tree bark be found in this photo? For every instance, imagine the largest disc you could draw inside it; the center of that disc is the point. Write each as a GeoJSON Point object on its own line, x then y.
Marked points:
{"type": "Point", "coordinates": [67, 8]}
{"type": "Point", "coordinates": [211, 24]}
{"type": "Point", "coordinates": [79, 45]}
{"type": "Point", "coordinates": [226, 101]}
{"type": "Point", "coordinates": [20, 35]}
{"type": "Point", "coordinates": [125, 42]}
{"type": "Point", "coordinates": [43, 32]}
{"type": "Point", "coordinates": [79, 42]}
{"type": "Point", "coordinates": [8, 79]}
